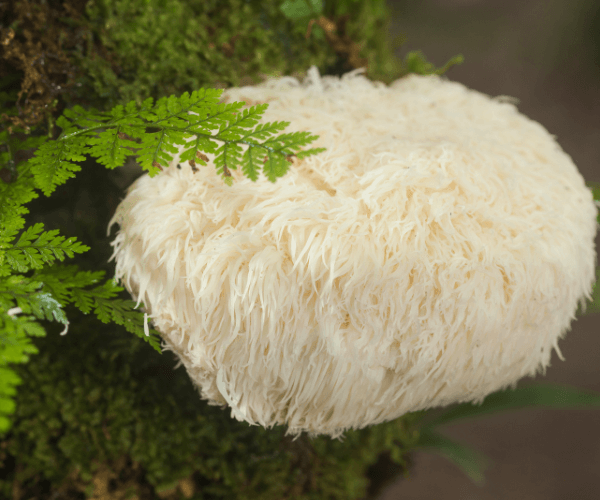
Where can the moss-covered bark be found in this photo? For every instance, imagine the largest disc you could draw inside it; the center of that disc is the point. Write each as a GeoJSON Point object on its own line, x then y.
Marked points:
{"type": "Point", "coordinates": [107, 52]}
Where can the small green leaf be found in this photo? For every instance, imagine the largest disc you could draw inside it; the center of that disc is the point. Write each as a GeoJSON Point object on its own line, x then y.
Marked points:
{"type": "Point", "coordinates": [471, 462]}
{"type": "Point", "coordinates": [529, 396]}
{"type": "Point", "coordinates": [416, 62]}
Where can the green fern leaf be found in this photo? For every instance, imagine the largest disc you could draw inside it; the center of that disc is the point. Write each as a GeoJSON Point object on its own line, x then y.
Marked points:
{"type": "Point", "coordinates": [252, 163]}
{"type": "Point", "coordinates": [5, 269]}
{"type": "Point", "coordinates": [233, 129]}
{"type": "Point", "coordinates": [16, 287]}
{"type": "Point", "coordinates": [277, 166]}
{"type": "Point", "coordinates": [9, 234]}
{"type": "Point", "coordinates": [207, 100]}
{"type": "Point", "coordinates": [228, 155]}
{"type": "Point", "coordinates": [65, 283]}
{"type": "Point", "coordinates": [110, 137]}
{"type": "Point", "coordinates": [45, 249]}
{"type": "Point", "coordinates": [9, 380]}
{"type": "Point", "coordinates": [53, 165]}
{"type": "Point", "coordinates": [217, 115]}
{"type": "Point", "coordinates": [145, 110]}
{"type": "Point", "coordinates": [30, 299]}
{"type": "Point", "coordinates": [83, 300]}
{"type": "Point", "coordinates": [79, 117]}
{"type": "Point", "coordinates": [14, 341]}
{"type": "Point", "coordinates": [14, 348]}
{"type": "Point", "coordinates": [107, 136]}
{"type": "Point", "coordinates": [122, 312]}
{"type": "Point", "coordinates": [119, 111]}
{"type": "Point", "coordinates": [192, 149]}
{"type": "Point", "coordinates": [308, 152]}
{"type": "Point", "coordinates": [13, 197]}
{"type": "Point", "coordinates": [266, 130]}
{"type": "Point", "coordinates": [44, 306]}
{"type": "Point", "coordinates": [291, 140]}
{"type": "Point", "coordinates": [110, 147]}
{"type": "Point", "coordinates": [154, 151]}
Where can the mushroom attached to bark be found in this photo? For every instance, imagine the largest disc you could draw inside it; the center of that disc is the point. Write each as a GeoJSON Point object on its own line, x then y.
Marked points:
{"type": "Point", "coordinates": [434, 253]}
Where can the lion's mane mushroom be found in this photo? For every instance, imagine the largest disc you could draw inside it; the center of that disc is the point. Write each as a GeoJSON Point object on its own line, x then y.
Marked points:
{"type": "Point", "coordinates": [434, 253]}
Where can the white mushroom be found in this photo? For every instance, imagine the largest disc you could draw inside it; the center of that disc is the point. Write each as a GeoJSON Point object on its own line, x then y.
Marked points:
{"type": "Point", "coordinates": [434, 253]}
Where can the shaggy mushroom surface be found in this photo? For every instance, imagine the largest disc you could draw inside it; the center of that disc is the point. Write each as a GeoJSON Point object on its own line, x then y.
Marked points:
{"type": "Point", "coordinates": [434, 253]}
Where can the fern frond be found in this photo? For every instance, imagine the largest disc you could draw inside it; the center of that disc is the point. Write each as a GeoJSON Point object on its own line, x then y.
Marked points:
{"type": "Point", "coordinates": [25, 255]}
{"type": "Point", "coordinates": [155, 149]}
{"type": "Point", "coordinates": [286, 143]}
{"type": "Point", "coordinates": [15, 345]}
{"type": "Point", "coordinates": [65, 282]}
{"type": "Point", "coordinates": [192, 150]}
{"type": "Point", "coordinates": [79, 117]}
{"type": "Point", "coordinates": [111, 137]}
{"type": "Point", "coordinates": [52, 164]}
{"type": "Point", "coordinates": [16, 287]}
{"type": "Point", "coordinates": [30, 300]}
{"type": "Point", "coordinates": [14, 195]}
{"type": "Point", "coordinates": [228, 154]}
{"type": "Point", "coordinates": [14, 341]}
{"type": "Point", "coordinates": [10, 225]}
{"type": "Point", "coordinates": [110, 147]}
{"type": "Point", "coordinates": [205, 109]}
{"type": "Point", "coordinates": [45, 306]}
{"type": "Point", "coordinates": [252, 162]}
{"type": "Point", "coordinates": [233, 129]}
{"type": "Point", "coordinates": [266, 130]}
{"type": "Point", "coordinates": [122, 312]}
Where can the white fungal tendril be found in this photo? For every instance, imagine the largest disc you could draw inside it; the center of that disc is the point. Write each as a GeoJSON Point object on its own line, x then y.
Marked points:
{"type": "Point", "coordinates": [14, 311]}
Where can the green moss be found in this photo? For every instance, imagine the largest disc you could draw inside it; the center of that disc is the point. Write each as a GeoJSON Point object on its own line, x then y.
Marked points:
{"type": "Point", "coordinates": [158, 48]}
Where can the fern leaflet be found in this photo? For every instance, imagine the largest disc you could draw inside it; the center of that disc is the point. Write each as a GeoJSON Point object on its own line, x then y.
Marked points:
{"type": "Point", "coordinates": [111, 137]}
